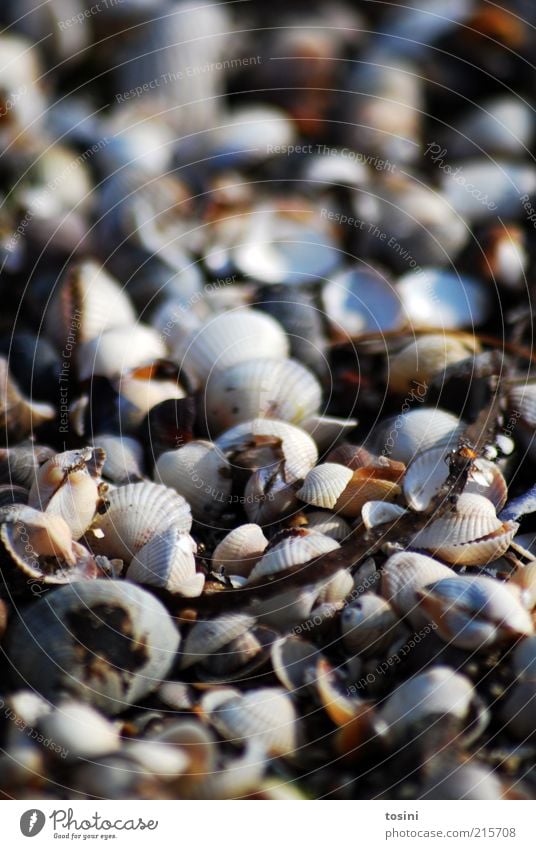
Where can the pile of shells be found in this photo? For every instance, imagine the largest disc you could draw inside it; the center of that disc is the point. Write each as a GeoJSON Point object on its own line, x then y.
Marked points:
{"type": "Point", "coordinates": [267, 401]}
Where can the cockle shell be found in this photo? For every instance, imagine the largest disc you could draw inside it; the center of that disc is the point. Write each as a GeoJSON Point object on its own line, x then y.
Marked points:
{"type": "Point", "coordinates": [335, 487]}
{"type": "Point", "coordinates": [326, 430]}
{"type": "Point", "coordinates": [48, 535]}
{"type": "Point", "coordinates": [228, 647]}
{"type": "Point", "coordinates": [475, 612]}
{"type": "Point", "coordinates": [294, 549]}
{"type": "Point", "coordinates": [429, 470]}
{"type": "Point", "coordinates": [105, 642]}
{"type": "Point", "coordinates": [134, 514]}
{"type": "Point", "coordinates": [267, 388]}
{"type": "Point", "coordinates": [402, 437]}
{"type": "Point", "coordinates": [471, 534]}
{"type": "Point", "coordinates": [429, 354]}
{"type": "Point", "coordinates": [273, 442]}
{"type": "Point", "coordinates": [267, 497]}
{"type": "Point", "coordinates": [328, 524]}
{"type": "Point", "coordinates": [168, 561]}
{"type": "Point", "coordinates": [19, 416]}
{"type": "Point", "coordinates": [240, 549]}
{"type": "Point", "coordinates": [67, 485]}
{"type": "Point", "coordinates": [124, 458]}
{"type": "Point", "coordinates": [19, 465]}
{"type": "Point", "coordinates": [85, 303]}
{"type": "Point", "coordinates": [266, 715]}
{"type": "Point", "coordinates": [232, 337]}
{"type": "Point", "coordinates": [368, 625]}
{"type": "Point", "coordinates": [80, 731]}
{"type": "Point", "coordinates": [119, 349]}
{"type": "Point", "coordinates": [207, 637]}
{"type": "Point", "coordinates": [375, 513]}
{"type": "Point", "coordinates": [201, 474]}
{"type": "Point", "coordinates": [403, 575]}
{"type": "Point", "coordinates": [145, 387]}
{"type": "Point", "coordinates": [434, 694]}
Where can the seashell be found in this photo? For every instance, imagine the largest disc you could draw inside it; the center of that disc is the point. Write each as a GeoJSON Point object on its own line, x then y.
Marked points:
{"type": "Point", "coordinates": [87, 302]}
{"type": "Point", "coordinates": [135, 513]}
{"type": "Point", "coordinates": [328, 524]}
{"type": "Point", "coordinates": [429, 470]}
{"type": "Point", "coordinates": [335, 589]}
{"type": "Point", "coordinates": [425, 698]}
{"type": "Point", "coordinates": [238, 552]}
{"type": "Point", "coordinates": [118, 350]}
{"type": "Point", "coordinates": [273, 442]}
{"type": "Point", "coordinates": [497, 181]}
{"type": "Point", "coordinates": [267, 388]}
{"type": "Point", "coordinates": [67, 485]}
{"type": "Point", "coordinates": [406, 573]}
{"type": "Point", "coordinates": [356, 457]}
{"type": "Point", "coordinates": [427, 356]}
{"type": "Point", "coordinates": [368, 625]}
{"type": "Point", "coordinates": [500, 125]}
{"type": "Point", "coordinates": [326, 430]}
{"type": "Point", "coordinates": [291, 551]}
{"type": "Point", "coordinates": [19, 416]}
{"type": "Point", "coordinates": [108, 643]}
{"type": "Point", "coordinates": [124, 458]}
{"type": "Point", "coordinates": [525, 578]}
{"type": "Point", "coordinates": [207, 637]}
{"type": "Point", "coordinates": [79, 731]}
{"type": "Point", "coordinates": [229, 338]}
{"type": "Point", "coordinates": [295, 663]}
{"type": "Point", "coordinates": [404, 436]}
{"type": "Point", "coordinates": [287, 609]}
{"type": "Point", "coordinates": [201, 474]}
{"type": "Point", "coordinates": [472, 613]}
{"type": "Point", "coordinates": [267, 497]}
{"type": "Point", "coordinates": [18, 465]}
{"type": "Point", "coordinates": [147, 386]}
{"type": "Point", "coordinates": [332, 486]}
{"type": "Point", "coordinates": [165, 761]}
{"type": "Point", "coordinates": [167, 561]}
{"type": "Point", "coordinates": [471, 534]}
{"type": "Point", "coordinates": [375, 513]}
{"type": "Point", "coordinates": [433, 295]}
{"type": "Point", "coordinates": [522, 399]}
{"type": "Point", "coordinates": [12, 495]}
{"type": "Point", "coordinates": [361, 300]}
{"type": "Point", "coordinates": [239, 136]}
{"type": "Point", "coordinates": [266, 715]}
{"type": "Point", "coordinates": [48, 535]}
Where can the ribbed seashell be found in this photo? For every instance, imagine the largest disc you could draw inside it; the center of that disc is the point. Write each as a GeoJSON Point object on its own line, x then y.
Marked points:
{"type": "Point", "coordinates": [471, 534]}
{"type": "Point", "coordinates": [79, 731]}
{"type": "Point", "coordinates": [119, 349]}
{"type": "Point", "coordinates": [291, 551]}
{"type": "Point", "coordinates": [403, 575]}
{"type": "Point", "coordinates": [402, 437]}
{"type": "Point", "coordinates": [167, 561]}
{"type": "Point", "coordinates": [124, 458]}
{"type": "Point", "coordinates": [332, 486]}
{"type": "Point", "coordinates": [87, 302]}
{"type": "Point", "coordinates": [240, 549]}
{"type": "Point", "coordinates": [207, 637]}
{"type": "Point", "coordinates": [425, 357]}
{"type": "Point", "coordinates": [429, 470]}
{"type": "Point", "coordinates": [108, 643]}
{"type": "Point", "coordinates": [18, 465]}
{"type": "Point", "coordinates": [266, 714]}
{"type": "Point", "coordinates": [233, 337]}
{"type": "Point", "coordinates": [368, 625]}
{"type": "Point", "coordinates": [135, 514]}
{"type": "Point", "coordinates": [48, 535]}
{"type": "Point", "coordinates": [19, 416]}
{"type": "Point", "coordinates": [326, 430]}
{"type": "Point", "coordinates": [375, 513]}
{"type": "Point", "coordinates": [67, 485]}
{"type": "Point", "coordinates": [429, 696]}
{"type": "Point", "coordinates": [328, 524]}
{"type": "Point", "coordinates": [201, 474]}
{"type": "Point", "coordinates": [267, 388]}
{"type": "Point", "coordinates": [335, 589]}
{"type": "Point", "coordinates": [475, 612]}
{"type": "Point", "coordinates": [295, 662]}
{"type": "Point", "coordinates": [273, 442]}
{"type": "Point", "coordinates": [523, 401]}
{"type": "Point", "coordinates": [287, 609]}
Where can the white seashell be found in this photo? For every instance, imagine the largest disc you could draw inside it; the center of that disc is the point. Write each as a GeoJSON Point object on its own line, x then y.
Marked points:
{"type": "Point", "coordinates": [402, 437]}
{"type": "Point", "coordinates": [124, 457]}
{"type": "Point", "coordinates": [331, 485]}
{"type": "Point", "coordinates": [146, 391]}
{"type": "Point", "coordinates": [268, 388]}
{"type": "Point", "coordinates": [268, 498]}
{"type": "Point", "coordinates": [324, 485]}
{"type": "Point", "coordinates": [298, 449]}
{"type": "Point", "coordinates": [136, 513]}
{"type": "Point", "coordinates": [498, 181]}
{"type": "Point", "coordinates": [436, 297]}
{"type": "Point", "coordinates": [232, 337]}
{"type": "Point", "coordinates": [266, 715]}
{"type": "Point", "coordinates": [403, 575]}
{"type": "Point", "coordinates": [201, 474]}
{"type": "Point", "coordinates": [47, 535]}
{"type": "Point", "coordinates": [368, 625]}
{"type": "Point", "coordinates": [522, 400]}
{"type": "Point", "coordinates": [425, 357]}
{"type": "Point", "coordinates": [207, 637]}
{"type": "Point", "coordinates": [476, 612]}
{"type": "Point", "coordinates": [286, 609]}
{"type": "Point", "coordinates": [86, 303]}
{"type": "Point", "coordinates": [119, 349]}
{"type": "Point", "coordinates": [168, 561]}
{"type": "Point", "coordinates": [376, 513]}
{"type": "Point", "coordinates": [328, 524]}
{"type": "Point", "coordinates": [336, 588]}
{"type": "Point", "coordinates": [428, 696]}
{"type": "Point", "coordinates": [240, 549]}
{"type": "Point", "coordinates": [19, 416]}
{"type": "Point", "coordinates": [161, 759]}
{"type": "Point", "coordinates": [525, 578]}
{"type": "Point", "coordinates": [291, 551]}
{"type": "Point", "coordinates": [80, 731]}
{"type": "Point", "coordinates": [327, 430]}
